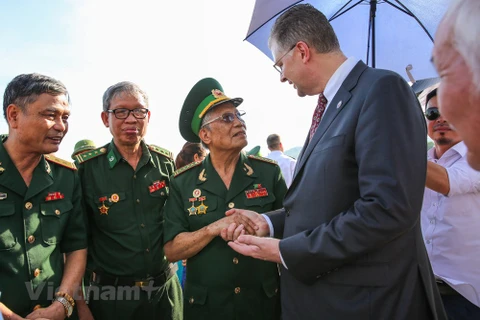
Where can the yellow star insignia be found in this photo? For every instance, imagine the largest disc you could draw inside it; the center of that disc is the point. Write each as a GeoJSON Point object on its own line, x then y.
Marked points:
{"type": "Point", "coordinates": [202, 209]}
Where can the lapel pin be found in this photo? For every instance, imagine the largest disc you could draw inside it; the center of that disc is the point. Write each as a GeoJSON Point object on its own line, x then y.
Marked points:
{"type": "Point", "coordinates": [339, 104]}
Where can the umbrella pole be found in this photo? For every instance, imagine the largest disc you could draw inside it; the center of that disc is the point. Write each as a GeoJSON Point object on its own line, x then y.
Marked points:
{"type": "Point", "coordinates": [373, 10]}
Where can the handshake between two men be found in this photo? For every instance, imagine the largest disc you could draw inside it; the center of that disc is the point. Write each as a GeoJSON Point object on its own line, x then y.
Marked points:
{"type": "Point", "coordinates": [249, 235]}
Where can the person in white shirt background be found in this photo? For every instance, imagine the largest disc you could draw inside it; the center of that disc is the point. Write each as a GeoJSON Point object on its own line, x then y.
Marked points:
{"type": "Point", "coordinates": [286, 163]}
{"type": "Point", "coordinates": [450, 217]}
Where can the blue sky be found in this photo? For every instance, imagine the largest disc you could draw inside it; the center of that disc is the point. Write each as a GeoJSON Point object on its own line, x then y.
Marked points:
{"type": "Point", "coordinates": [165, 47]}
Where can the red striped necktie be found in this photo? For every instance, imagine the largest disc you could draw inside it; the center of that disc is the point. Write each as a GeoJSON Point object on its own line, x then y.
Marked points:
{"type": "Point", "coordinates": [317, 115]}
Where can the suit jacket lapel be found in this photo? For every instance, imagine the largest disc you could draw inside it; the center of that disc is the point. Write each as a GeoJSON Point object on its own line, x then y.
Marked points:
{"type": "Point", "coordinates": [337, 104]}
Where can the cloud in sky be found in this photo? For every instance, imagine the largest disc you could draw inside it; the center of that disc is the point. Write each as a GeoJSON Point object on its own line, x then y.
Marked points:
{"type": "Point", "coordinates": [165, 47]}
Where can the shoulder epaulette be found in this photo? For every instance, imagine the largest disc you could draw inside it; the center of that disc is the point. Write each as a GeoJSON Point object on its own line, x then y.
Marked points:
{"type": "Point", "coordinates": [87, 155]}
{"type": "Point", "coordinates": [63, 163]}
{"type": "Point", "coordinates": [263, 159]}
{"type": "Point", "coordinates": [162, 151]}
{"type": "Point", "coordinates": [186, 168]}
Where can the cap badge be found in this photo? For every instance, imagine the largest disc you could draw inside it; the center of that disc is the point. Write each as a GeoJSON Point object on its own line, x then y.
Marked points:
{"type": "Point", "coordinates": [218, 94]}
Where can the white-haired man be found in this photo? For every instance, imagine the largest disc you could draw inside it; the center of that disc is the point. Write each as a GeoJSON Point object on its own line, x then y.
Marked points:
{"type": "Point", "coordinates": [456, 56]}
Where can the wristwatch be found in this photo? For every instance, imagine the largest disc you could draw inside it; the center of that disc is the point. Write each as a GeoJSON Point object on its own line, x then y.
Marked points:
{"type": "Point", "coordinates": [68, 307]}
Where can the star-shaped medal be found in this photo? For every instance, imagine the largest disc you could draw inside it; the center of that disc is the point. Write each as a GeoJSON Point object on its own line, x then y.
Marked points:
{"type": "Point", "coordinates": [103, 209]}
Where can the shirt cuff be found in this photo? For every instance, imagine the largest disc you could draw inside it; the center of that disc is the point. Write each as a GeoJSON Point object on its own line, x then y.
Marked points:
{"type": "Point", "coordinates": [281, 258]}
{"type": "Point", "coordinates": [270, 225]}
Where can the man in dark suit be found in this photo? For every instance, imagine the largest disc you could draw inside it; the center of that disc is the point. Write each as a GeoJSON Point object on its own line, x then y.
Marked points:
{"type": "Point", "coordinates": [351, 243]}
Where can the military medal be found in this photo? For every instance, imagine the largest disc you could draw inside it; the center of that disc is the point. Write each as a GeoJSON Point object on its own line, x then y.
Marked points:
{"type": "Point", "coordinates": [192, 211]}
{"type": "Point", "coordinates": [114, 198]}
{"type": "Point", "coordinates": [54, 196]}
{"type": "Point", "coordinates": [157, 185]}
{"type": "Point", "coordinates": [103, 209]}
{"type": "Point", "coordinates": [197, 193]}
{"type": "Point", "coordinates": [202, 209]}
{"type": "Point", "coordinates": [1, 168]}
{"type": "Point", "coordinates": [257, 192]}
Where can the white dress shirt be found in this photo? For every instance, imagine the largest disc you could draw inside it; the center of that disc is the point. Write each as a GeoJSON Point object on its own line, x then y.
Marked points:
{"type": "Point", "coordinates": [451, 225]}
{"type": "Point", "coordinates": [286, 164]}
{"type": "Point", "coordinates": [331, 89]}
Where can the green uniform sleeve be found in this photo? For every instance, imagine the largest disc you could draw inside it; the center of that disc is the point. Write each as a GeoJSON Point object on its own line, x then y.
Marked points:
{"type": "Point", "coordinates": [176, 220]}
{"type": "Point", "coordinates": [280, 189]}
{"type": "Point", "coordinates": [75, 234]}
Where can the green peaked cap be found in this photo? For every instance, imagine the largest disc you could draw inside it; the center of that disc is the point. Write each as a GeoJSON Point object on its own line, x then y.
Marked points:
{"type": "Point", "coordinates": [254, 152]}
{"type": "Point", "coordinates": [83, 145]}
{"type": "Point", "coordinates": [205, 94]}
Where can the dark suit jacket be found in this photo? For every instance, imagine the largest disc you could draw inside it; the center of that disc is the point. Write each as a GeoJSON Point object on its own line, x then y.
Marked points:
{"type": "Point", "coordinates": [350, 223]}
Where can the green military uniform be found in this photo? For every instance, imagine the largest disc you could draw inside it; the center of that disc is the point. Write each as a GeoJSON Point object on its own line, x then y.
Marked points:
{"type": "Point", "coordinates": [125, 211]}
{"type": "Point", "coordinates": [37, 225]}
{"type": "Point", "coordinates": [222, 284]}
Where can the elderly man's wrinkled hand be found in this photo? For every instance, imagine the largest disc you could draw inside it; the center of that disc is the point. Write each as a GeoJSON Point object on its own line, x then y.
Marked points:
{"type": "Point", "coordinates": [232, 232]}
{"type": "Point", "coordinates": [254, 223]}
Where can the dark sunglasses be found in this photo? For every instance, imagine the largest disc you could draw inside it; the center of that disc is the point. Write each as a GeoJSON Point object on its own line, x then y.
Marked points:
{"type": "Point", "coordinates": [432, 113]}
{"type": "Point", "coordinates": [228, 117]}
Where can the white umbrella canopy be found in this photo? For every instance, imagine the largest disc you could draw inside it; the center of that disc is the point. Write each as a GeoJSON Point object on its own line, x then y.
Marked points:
{"type": "Point", "coordinates": [387, 34]}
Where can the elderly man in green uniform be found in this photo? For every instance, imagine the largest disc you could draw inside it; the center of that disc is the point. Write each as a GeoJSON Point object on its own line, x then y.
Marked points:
{"type": "Point", "coordinates": [41, 214]}
{"type": "Point", "coordinates": [220, 284]}
{"type": "Point", "coordinates": [125, 184]}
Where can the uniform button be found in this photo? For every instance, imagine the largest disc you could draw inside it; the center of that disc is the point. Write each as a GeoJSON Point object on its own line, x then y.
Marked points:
{"type": "Point", "coordinates": [276, 290]}
{"type": "Point", "coordinates": [147, 250]}
{"type": "Point", "coordinates": [57, 212]}
{"type": "Point", "coordinates": [28, 205]}
{"type": "Point", "coordinates": [237, 290]}
{"type": "Point", "coordinates": [138, 200]}
{"type": "Point", "coordinates": [288, 212]}
{"type": "Point", "coordinates": [162, 193]}
{"type": "Point", "coordinates": [37, 307]}
{"type": "Point", "coordinates": [428, 241]}
{"type": "Point", "coordinates": [235, 260]}
{"type": "Point", "coordinates": [31, 239]}
{"type": "Point", "coordinates": [191, 300]}
{"type": "Point", "coordinates": [231, 205]}
{"type": "Point", "coordinates": [36, 272]}
{"type": "Point", "coordinates": [142, 225]}
{"type": "Point", "coordinates": [134, 176]}
{"type": "Point", "coordinates": [432, 221]}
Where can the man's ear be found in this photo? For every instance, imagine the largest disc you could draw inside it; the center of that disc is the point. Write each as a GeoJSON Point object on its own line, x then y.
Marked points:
{"type": "Point", "coordinates": [205, 135]}
{"type": "Point", "coordinates": [12, 114]}
{"type": "Point", "coordinates": [104, 116]}
{"type": "Point", "coordinates": [305, 50]}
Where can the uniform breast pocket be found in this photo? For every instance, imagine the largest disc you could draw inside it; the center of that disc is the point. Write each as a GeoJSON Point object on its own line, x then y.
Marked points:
{"type": "Point", "coordinates": [260, 204]}
{"type": "Point", "coordinates": [54, 216]}
{"type": "Point", "coordinates": [160, 195]}
{"type": "Point", "coordinates": [7, 239]}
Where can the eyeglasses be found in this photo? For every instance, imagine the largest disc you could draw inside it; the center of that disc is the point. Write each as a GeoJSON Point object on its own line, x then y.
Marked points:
{"type": "Point", "coordinates": [123, 113]}
{"type": "Point", "coordinates": [275, 65]}
{"type": "Point", "coordinates": [228, 117]}
{"type": "Point", "coordinates": [432, 113]}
